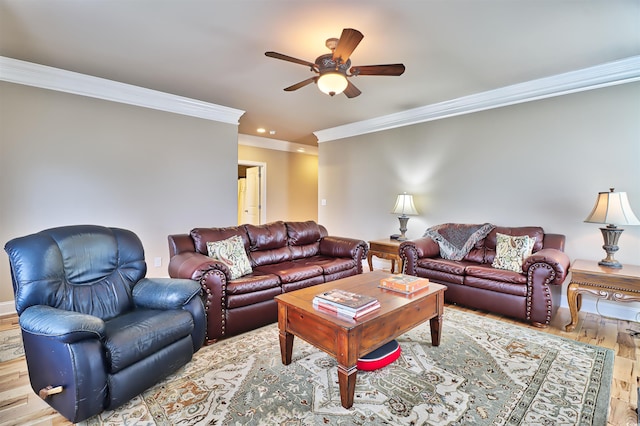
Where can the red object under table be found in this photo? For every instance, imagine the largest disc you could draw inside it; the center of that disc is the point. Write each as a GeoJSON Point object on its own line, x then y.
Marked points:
{"type": "Point", "coordinates": [381, 357]}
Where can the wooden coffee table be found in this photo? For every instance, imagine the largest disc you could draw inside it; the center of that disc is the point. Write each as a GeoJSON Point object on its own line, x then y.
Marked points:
{"type": "Point", "coordinates": [347, 340]}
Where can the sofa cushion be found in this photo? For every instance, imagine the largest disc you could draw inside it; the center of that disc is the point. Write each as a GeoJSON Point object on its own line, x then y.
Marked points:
{"type": "Point", "coordinates": [332, 265]}
{"type": "Point", "coordinates": [476, 254]}
{"type": "Point", "coordinates": [268, 257]}
{"type": "Point", "coordinates": [201, 236]}
{"type": "Point", "coordinates": [304, 238]}
{"type": "Point", "coordinates": [298, 252]}
{"type": "Point", "coordinates": [511, 251]}
{"type": "Point", "coordinates": [292, 271]}
{"type": "Point", "coordinates": [499, 287]}
{"type": "Point", "coordinates": [267, 237]}
{"type": "Point", "coordinates": [442, 265]}
{"type": "Point", "coordinates": [255, 282]}
{"type": "Point", "coordinates": [439, 276]}
{"type": "Point", "coordinates": [490, 273]}
{"type": "Point", "coordinates": [303, 233]}
{"type": "Point", "coordinates": [231, 252]}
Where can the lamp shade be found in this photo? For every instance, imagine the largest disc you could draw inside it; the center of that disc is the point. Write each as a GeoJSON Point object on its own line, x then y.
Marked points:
{"type": "Point", "coordinates": [404, 205]}
{"type": "Point", "coordinates": [612, 208]}
{"type": "Point", "coordinates": [332, 83]}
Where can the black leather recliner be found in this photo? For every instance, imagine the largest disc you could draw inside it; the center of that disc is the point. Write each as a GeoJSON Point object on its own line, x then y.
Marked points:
{"type": "Point", "coordinates": [96, 332]}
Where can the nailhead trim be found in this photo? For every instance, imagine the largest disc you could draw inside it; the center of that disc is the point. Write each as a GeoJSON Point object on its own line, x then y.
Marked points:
{"type": "Point", "coordinates": [546, 289]}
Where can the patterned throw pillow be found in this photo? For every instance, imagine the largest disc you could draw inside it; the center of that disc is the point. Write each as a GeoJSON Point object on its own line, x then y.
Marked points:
{"type": "Point", "coordinates": [231, 253]}
{"type": "Point", "coordinates": [511, 251]}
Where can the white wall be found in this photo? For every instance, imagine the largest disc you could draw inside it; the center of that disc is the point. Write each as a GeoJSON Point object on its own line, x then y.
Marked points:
{"type": "Point", "coordinates": [539, 163]}
{"type": "Point", "coordinates": [67, 159]}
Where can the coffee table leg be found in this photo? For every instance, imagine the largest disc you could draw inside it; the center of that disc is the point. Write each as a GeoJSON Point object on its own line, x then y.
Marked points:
{"type": "Point", "coordinates": [347, 382]}
{"type": "Point", "coordinates": [436, 329]}
{"type": "Point", "coordinates": [286, 347]}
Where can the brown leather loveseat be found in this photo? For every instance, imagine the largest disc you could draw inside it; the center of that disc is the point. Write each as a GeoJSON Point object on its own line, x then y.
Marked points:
{"type": "Point", "coordinates": [284, 256]}
{"type": "Point", "coordinates": [474, 281]}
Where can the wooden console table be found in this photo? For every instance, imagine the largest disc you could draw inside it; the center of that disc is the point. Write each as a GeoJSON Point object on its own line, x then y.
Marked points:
{"type": "Point", "coordinates": [619, 285]}
{"type": "Point", "coordinates": [385, 249]}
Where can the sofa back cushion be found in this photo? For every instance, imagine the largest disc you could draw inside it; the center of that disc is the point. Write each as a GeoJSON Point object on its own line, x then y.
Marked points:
{"type": "Point", "coordinates": [268, 243]}
{"type": "Point", "coordinates": [490, 241]}
{"type": "Point", "coordinates": [201, 236]}
{"type": "Point", "coordinates": [477, 253]}
{"type": "Point", "coordinates": [304, 238]}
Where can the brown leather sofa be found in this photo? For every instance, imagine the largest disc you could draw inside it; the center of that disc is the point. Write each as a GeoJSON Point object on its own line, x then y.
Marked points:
{"type": "Point", "coordinates": [284, 256]}
{"type": "Point", "coordinates": [473, 282]}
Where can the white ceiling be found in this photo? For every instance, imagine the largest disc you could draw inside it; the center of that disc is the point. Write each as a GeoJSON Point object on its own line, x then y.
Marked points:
{"type": "Point", "coordinates": [214, 50]}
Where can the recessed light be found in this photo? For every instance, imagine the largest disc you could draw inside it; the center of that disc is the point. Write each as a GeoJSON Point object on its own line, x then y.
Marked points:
{"type": "Point", "coordinates": [272, 132]}
{"type": "Point", "coordinates": [300, 150]}
{"type": "Point", "coordinates": [261, 130]}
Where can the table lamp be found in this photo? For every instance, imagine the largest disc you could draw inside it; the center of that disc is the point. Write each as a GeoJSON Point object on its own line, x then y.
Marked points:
{"type": "Point", "coordinates": [613, 209]}
{"type": "Point", "coordinates": [404, 206]}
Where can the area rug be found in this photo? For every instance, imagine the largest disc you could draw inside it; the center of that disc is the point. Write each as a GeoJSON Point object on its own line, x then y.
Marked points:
{"type": "Point", "coordinates": [485, 372]}
{"type": "Point", "coordinates": [11, 344]}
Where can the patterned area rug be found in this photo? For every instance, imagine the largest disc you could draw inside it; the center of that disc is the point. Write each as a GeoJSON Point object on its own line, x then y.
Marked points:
{"type": "Point", "coordinates": [10, 344]}
{"type": "Point", "coordinates": [485, 372]}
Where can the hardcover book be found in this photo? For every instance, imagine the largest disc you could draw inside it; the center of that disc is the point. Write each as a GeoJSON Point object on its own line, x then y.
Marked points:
{"type": "Point", "coordinates": [347, 299]}
{"type": "Point", "coordinates": [405, 284]}
{"type": "Point", "coordinates": [343, 312]}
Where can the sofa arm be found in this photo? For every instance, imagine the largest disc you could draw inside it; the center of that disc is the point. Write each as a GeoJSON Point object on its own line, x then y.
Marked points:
{"type": "Point", "coordinates": [63, 326]}
{"type": "Point", "coordinates": [556, 259]}
{"type": "Point", "coordinates": [412, 250]}
{"type": "Point", "coordinates": [213, 277]}
{"type": "Point", "coordinates": [193, 266]}
{"type": "Point", "coordinates": [343, 247]}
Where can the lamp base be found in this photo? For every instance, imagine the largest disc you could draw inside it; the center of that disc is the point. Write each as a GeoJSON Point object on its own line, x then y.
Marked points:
{"type": "Point", "coordinates": [610, 234]}
{"type": "Point", "coordinates": [609, 264]}
{"type": "Point", "coordinates": [403, 227]}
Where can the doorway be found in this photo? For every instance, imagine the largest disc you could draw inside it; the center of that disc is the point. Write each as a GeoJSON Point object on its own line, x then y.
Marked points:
{"type": "Point", "coordinates": [251, 192]}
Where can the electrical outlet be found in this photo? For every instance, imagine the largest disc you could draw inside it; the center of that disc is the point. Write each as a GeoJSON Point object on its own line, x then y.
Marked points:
{"type": "Point", "coordinates": [157, 262]}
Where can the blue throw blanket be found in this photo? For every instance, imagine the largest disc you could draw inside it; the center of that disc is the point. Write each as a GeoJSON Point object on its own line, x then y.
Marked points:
{"type": "Point", "coordinates": [457, 240]}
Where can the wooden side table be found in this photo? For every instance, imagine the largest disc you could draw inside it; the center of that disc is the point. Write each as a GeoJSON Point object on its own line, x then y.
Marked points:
{"type": "Point", "coordinates": [385, 249]}
{"type": "Point", "coordinates": [619, 285]}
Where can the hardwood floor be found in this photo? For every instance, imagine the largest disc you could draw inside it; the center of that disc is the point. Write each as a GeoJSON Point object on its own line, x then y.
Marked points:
{"type": "Point", "coordinates": [19, 405]}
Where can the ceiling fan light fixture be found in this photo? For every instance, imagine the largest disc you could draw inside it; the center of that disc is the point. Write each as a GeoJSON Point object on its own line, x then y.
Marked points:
{"type": "Point", "coordinates": [332, 83]}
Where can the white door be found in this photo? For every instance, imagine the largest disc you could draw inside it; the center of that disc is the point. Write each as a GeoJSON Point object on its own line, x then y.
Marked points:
{"type": "Point", "coordinates": [251, 208]}
{"type": "Point", "coordinates": [242, 186]}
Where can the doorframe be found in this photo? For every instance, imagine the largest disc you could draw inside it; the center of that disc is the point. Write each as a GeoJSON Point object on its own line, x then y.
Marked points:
{"type": "Point", "coordinates": [263, 186]}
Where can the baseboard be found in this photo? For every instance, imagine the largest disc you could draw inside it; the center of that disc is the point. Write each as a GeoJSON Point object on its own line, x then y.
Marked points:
{"type": "Point", "coordinates": [7, 308]}
{"type": "Point", "coordinates": [627, 311]}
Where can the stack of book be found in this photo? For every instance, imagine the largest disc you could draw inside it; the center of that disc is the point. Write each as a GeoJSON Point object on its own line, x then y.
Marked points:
{"type": "Point", "coordinates": [345, 303]}
{"type": "Point", "coordinates": [405, 284]}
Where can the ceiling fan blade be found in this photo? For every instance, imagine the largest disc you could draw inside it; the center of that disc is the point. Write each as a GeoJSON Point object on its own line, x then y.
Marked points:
{"type": "Point", "coordinates": [390, 69]}
{"type": "Point", "coordinates": [351, 91]}
{"type": "Point", "coordinates": [277, 55]}
{"type": "Point", "coordinates": [349, 40]}
{"type": "Point", "coordinates": [301, 84]}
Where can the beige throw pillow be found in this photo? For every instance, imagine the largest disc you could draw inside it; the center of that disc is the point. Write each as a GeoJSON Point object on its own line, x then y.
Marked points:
{"type": "Point", "coordinates": [231, 253]}
{"type": "Point", "coordinates": [511, 251]}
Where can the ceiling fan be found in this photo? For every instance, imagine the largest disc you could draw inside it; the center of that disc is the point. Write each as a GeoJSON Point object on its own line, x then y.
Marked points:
{"type": "Point", "coordinates": [334, 68]}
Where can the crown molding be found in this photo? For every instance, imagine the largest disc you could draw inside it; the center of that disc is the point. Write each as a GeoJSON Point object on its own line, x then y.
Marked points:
{"type": "Point", "coordinates": [609, 74]}
{"type": "Point", "coordinates": [276, 144]}
{"type": "Point", "coordinates": [45, 77]}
